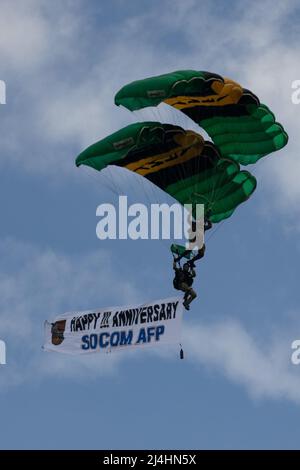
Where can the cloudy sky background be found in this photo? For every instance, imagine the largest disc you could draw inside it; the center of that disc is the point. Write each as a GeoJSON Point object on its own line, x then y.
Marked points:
{"type": "Point", "coordinates": [62, 63]}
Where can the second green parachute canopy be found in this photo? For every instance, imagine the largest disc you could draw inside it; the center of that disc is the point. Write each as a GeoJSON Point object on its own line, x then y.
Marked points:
{"type": "Point", "coordinates": [178, 161]}
{"type": "Point", "coordinates": [243, 128]}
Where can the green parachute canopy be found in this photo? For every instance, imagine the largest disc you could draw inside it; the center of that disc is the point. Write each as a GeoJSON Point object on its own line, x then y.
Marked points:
{"type": "Point", "coordinates": [178, 161]}
{"type": "Point", "coordinates": [243, 129]}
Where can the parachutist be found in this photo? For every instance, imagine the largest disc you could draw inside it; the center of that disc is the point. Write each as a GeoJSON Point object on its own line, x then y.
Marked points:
{"type": "Point", "coordinates": [184, 277]}
{"type": "Point", "coordinates": [183, 280]}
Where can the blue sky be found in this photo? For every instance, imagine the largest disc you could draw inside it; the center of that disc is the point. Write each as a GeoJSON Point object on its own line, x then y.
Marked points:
{"type": "Point", "coordinates": [62, 63]}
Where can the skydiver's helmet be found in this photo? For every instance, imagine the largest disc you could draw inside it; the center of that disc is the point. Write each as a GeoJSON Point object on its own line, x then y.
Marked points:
{"type": "Point", "coordinates": [186, 267]}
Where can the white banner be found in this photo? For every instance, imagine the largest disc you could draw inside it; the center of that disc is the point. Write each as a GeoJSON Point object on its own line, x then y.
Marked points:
{"type": "Point", "coordinates": [115, 328]}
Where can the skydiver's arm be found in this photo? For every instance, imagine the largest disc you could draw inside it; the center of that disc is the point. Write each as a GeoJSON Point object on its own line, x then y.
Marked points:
{"type": "Point", "coordinates": [200, 254]}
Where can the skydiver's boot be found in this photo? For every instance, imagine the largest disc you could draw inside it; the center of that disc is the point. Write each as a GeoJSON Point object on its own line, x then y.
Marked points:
{"type": "Point", "coordinates": [185, 301]}
{"type": "Point", "coordinates": [191, 296]}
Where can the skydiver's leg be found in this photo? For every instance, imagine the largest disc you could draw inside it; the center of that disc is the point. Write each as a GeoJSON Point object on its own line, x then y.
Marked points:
{"type": "Point", "coordinates": [191, 296]}
{"type": "Point", "coordinates": [185, 288]}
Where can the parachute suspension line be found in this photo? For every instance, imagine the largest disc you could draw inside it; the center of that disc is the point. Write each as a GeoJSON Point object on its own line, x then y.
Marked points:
{"type": "Point", "coordinates": [155, 195]}
{"type": "Point", "coordinates": [107, 176]}
{"type": "Point", "coordinates": [145, 189]}
{"type": "Point", "coordinates": [214, 196]}
{"type": "Point", "coordinates": [195, 187]}
{"type": "Point", "coordinates": [216, 189]}
{"type": "Point", "coordinates": [136, 186]}
{"type": "Point", "coordinates": [91, 176]}
{"type": "Point", "coordinates": [149, 189]}
{"type": "Point", "coordinates": [113, 182]}
{"type": "Point", "coordinates": [136, 116]}
{"type": "Point", "coordinates": [219, 225]}
{"type": "Point", "coordinates": [210, 203]}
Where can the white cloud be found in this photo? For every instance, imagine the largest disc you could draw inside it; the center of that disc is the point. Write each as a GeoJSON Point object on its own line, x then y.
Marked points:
{"type": "Point", "coordinates": [263, 369]}
{"type": "Point", "coordinates": [23, 33]}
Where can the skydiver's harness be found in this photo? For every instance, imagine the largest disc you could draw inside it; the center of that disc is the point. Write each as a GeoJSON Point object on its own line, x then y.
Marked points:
{"type": "Point", "coordinates": [182, 277]}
